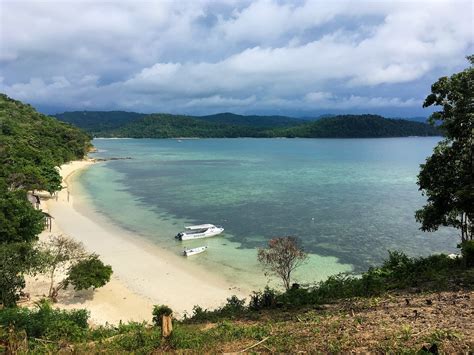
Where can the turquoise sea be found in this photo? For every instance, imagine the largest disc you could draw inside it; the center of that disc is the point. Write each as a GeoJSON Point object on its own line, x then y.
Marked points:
{"type": "Point", "coordinates": [347, 200]}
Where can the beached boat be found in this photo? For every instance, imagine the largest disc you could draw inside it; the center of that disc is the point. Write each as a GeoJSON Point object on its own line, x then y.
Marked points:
{"type": "Point", "coordinates": [199, 231]}
{"type": "Point", "coordinates": [194, 251]}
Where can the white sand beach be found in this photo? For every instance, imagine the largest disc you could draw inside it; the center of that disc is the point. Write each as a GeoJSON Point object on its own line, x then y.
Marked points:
{"type": "Point", "coordinates": [143, 275]}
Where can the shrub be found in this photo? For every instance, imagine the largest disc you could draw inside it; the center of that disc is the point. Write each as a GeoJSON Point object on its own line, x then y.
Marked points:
{"type": "Point", "coordinates": [467, 252]}
{"type": "Point", "coordinates": [263, 300]}
{"type": "Point", "coordinates": [234, 305]}
{"type": "Point", "coordinates": [159, 312]}
{"type": "Point", "coordinates": [46, 322]}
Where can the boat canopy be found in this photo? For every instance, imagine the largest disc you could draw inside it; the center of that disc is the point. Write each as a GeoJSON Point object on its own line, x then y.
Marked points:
{"type": "Point", "coordinates": [200, 226]}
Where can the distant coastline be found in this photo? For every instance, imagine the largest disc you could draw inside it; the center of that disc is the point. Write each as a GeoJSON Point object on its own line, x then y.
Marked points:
{"type": "Point", "coordinates": [118, 124]}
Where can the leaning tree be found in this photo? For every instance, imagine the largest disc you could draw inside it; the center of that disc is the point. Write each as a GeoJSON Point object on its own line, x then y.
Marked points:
{"type": "Point", "coordinates": [447, 176]}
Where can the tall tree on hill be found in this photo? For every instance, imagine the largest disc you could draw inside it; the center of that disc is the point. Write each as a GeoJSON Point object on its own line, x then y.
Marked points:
{"type": "Point", "coordinates": [447, 177]}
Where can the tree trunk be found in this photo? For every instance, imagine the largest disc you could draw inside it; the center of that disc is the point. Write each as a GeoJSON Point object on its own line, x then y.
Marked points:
{"type": "Point", "coordinates": [166, 326]}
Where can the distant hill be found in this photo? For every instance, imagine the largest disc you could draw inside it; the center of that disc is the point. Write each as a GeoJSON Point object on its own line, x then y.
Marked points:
{"type": "Point", "coordinates": [251, 120]}
{"type": "Point", "coordinates": [162, 125]}
{"type": "Point", "coordinates": [171, 126]}
{"type": "Point", "coordinates": [358, 126]}
{"type": "Point", "coordinates": [97, 122]}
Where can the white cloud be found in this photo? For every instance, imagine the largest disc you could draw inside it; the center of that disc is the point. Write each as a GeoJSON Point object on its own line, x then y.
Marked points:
{"type": "Point", "coordinates": [197, 54]}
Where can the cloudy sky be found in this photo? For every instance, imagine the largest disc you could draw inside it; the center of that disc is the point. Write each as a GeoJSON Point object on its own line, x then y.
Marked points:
{"type": "Point", "coordinates": [295, 57]}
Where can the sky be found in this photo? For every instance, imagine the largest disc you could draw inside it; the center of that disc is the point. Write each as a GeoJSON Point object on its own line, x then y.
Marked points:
{"type": "Point", "coordinates": [298, 58]}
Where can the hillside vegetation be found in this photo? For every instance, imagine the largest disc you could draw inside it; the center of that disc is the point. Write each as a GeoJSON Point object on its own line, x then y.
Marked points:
{"type": "Point", "coordinates": [32, 145]}
{"type": "Point", "coordinates": [227, 125]}
{"type": "Point", "coordinates": [358, 126]}
{"type": "Point", "coordinates": [401, 306]}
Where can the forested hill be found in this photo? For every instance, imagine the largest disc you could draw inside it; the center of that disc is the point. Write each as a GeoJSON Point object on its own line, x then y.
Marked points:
{"type": "Point", "coordinates": [229, 125]}
{"type": "Point", "coordinates": [358, 126]}
{"type": "Point", "coordinates": [32, 145]}
{"type": "Point", "coordinates": [103, 122]}
{"type": "Point", "coordinates": [96, 122]}
{"type": "Point", "coordinates": [251, 120]}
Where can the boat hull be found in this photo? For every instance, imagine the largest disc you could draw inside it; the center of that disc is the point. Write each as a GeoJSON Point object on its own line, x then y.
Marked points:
{"type": "Point", "coordinates": [194, 251]}
{"type": "Point", "coordinates": [207, 234]}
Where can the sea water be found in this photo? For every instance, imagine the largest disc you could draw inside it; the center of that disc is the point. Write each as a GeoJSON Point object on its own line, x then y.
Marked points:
{"type": "Point", "coordinates": [348, 201]}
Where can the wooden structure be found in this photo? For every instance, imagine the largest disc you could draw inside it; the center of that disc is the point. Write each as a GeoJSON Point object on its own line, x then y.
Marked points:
{"type": "Point", "coordinates": [48, 221]}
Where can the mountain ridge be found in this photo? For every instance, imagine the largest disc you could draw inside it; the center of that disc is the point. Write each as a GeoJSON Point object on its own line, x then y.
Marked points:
{"type": "Point", "coordinates": [230, 125]}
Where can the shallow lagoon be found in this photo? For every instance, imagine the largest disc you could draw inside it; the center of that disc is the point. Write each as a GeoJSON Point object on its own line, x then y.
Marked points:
{"type": "Point", "coordinates": [348, 200]}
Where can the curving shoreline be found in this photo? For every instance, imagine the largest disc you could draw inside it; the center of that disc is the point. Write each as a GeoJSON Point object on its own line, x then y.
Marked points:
{"type": "Point", "coordinates": [143, 275]}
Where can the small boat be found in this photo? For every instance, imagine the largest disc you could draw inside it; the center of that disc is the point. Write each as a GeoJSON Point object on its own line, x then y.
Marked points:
{"type": "Point", "coordinates": [200, 231]}
{"type": "Point", "coordinates": [194, 251]}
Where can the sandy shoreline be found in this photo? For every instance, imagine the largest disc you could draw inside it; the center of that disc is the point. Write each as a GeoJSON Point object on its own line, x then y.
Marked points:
{"type": "Point", "coordinates": [143, 273]}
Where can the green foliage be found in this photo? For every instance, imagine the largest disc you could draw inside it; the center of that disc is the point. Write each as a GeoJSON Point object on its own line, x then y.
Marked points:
{"type": "Point", "coordinates": [263, 299]}
{"type": "Point", "coordinates": [136, 338]}
{"type": "Point", "coordinates": [97, 122]}
{"type": "Point", "coordinates": [195, 339]}
{"type": "Point", "coordinates": [89, 272]}
{"type": "Point", "coordinates": [447, 177]}
{"type": "Point", "coordinates": [233, 308]}
{"type": "Point", "coordinates": [161, 125]}
{"type": "Point", "coordinates": [357, 126]}
{"type": "Point", "coordinates": [159, 312]}
{"type": "Point", "coordinates": [32, 145]}
{"type": "Point", "coordinates": [398, 272]}
{"type": "Point", "coordinates": [467, 252]}
{"type": "Point", "coordinates": [16, 259]}
{"type": "Point", "coordinates": [19, 221]}
{"type": "Point", "coordinates": [47, 323]}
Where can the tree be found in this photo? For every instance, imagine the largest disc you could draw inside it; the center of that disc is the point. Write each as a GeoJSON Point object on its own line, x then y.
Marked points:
{"type": "Point", "coordinates": [87, 273]}
{"type": "Point", "coordinates": [16, 259]}
{"type": "Point", "coordinates": [282, 257]}
{"type": "Point", "coordinates": [78, 268]}
{"type": "Point", "coordinates": [19, 221]}
{"type": "Point", "coordinates": [447, 176]}
{"type": "Point", "coordinates": [58, 253]}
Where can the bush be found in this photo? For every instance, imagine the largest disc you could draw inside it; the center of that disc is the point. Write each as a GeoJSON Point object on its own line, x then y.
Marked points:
{"type": "Point", "coordinates": [46, 322]}
{"type": "Point", "coordinates": [467, 252]}
{"type": "Point", "coordinates": [234, 305]}
{"type": "Point", "coordinates": [263, 300]}
{"type": "Point", "coordinates": [159, 312]}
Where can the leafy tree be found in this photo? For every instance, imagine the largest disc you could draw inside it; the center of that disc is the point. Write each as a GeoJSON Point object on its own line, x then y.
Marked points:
{"type": "Point", "coordinates": [58, 253]}
{"type": "Point", "coordinates": [89, 272]}
{"type": "Point", "coordinates": [16, 259]}
{"type": "Point", "coordinates": [282, 257]}
{"type": "Point", "coordinates": [82, 270]}
{"type": "Point", "coordinates": [447, 176]}
{"type": "Point", "coordinates": [19, 221]}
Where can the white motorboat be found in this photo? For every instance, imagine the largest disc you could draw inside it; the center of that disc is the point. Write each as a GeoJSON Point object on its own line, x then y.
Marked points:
{"type": "Point", "coordinates": [199, 231]}
{"type": "Point", "coordinates": [194, 251]}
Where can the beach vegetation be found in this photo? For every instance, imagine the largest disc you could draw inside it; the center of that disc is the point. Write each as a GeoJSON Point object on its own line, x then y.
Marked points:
{"type": "Point", "coordinates": [447, 176]}
{"type": "Point", "coordinates": [64, 255]}
{"type": "Point", "coordinates": [46, 322]}
{"type": "Point", "coordinates": [32, 147]}
{"type": "Point", "coordinates": [281, 257]}
{"type": "Point", "coordinates": [467, 252]}
{"type": "Point", "coordinates": [89, 272]}
{"type": "Point", "coordinates": [16, 260]}
{"type": "Point", "coordinates": [19, 222]}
